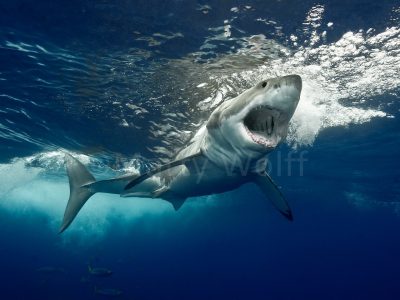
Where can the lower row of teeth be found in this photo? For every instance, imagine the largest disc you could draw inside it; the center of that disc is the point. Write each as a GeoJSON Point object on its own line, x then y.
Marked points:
{"type": "Point", "coordinates": [258, 140]}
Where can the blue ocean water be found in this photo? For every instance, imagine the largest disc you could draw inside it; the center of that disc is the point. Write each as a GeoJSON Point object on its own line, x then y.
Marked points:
{"type": "Point", "coordinates": [123, 85]}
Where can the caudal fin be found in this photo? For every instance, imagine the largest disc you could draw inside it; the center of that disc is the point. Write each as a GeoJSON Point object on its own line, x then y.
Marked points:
{"type": "Point", "coordinates": [78, 176]}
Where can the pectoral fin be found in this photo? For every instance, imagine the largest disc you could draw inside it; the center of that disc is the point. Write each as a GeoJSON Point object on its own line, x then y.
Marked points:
{"type": "Point", "coordinates": [272, 192]}
{"type": "Point", "coordinates": [175, 163]}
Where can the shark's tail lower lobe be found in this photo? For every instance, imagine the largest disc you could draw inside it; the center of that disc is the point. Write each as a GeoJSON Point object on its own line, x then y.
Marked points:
{"type": "Point", "coordinates": [78, 176]}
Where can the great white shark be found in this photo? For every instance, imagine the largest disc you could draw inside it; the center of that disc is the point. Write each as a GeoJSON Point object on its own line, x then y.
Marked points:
{"type": "Point", "coordinates": [231, 149]}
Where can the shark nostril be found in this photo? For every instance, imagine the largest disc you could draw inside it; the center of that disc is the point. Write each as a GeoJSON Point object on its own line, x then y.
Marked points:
{"type": "Point", "coordinates": [264, 84]}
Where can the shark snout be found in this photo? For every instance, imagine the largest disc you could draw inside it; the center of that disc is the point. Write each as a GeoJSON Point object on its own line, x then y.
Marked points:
{"type": "Point", "coordinates": [287, 95]}
{"type": "Point", "coordinates": [293, 80]}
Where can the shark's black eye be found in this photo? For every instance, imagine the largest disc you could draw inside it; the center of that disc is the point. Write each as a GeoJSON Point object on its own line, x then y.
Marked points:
{"type": "Point", "coordinates": [264, 84]}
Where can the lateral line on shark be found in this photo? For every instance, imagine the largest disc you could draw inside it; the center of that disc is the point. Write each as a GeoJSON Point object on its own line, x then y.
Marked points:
{"type": "Point", "coordinates": [162, 168]}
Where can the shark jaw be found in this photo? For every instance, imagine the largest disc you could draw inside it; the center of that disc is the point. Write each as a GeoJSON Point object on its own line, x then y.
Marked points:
{"type": "Point", "coordinates": [264, 120]}
{"type": "Point", "coordinates": [261, 125]}
{"type": "Point", "coordinates": [251, 125]}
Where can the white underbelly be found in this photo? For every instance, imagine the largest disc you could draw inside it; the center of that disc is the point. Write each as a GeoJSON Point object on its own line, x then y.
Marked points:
{"type": "Point", "coordinates": [210, 181]}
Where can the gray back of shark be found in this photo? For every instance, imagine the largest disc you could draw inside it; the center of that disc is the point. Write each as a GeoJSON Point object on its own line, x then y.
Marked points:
{"type": "Point", "coordinates": [229, 150]}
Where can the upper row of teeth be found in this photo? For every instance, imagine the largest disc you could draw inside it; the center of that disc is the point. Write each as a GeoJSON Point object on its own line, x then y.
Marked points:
{"type": "Point", "coordinates": [269, 124]}
{"type": "Point", "coordinates": [266, 127]}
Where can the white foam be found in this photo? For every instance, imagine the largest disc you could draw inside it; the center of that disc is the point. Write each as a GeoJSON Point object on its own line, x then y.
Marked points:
{"type": "Point", "coordinates": [52, 160]}
{"type": "Point", "coordinates": [31, 191]}
{"type": "Point", "coordinates": [203, 84]}
{"type": "Point", "coordinates": [339, 79]}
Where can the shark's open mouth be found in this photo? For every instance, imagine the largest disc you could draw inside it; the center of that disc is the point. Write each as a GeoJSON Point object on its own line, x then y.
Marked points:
{"type": "Point", "coordinates": [260, 124]}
